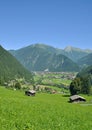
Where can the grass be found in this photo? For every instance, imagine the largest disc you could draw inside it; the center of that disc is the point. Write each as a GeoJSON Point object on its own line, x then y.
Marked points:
{"type": "Point", "coordinates": [42, 112]}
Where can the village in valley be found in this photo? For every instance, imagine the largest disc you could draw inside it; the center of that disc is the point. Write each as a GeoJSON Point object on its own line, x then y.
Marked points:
{"type": "Point", "coordinates": [44, 81]}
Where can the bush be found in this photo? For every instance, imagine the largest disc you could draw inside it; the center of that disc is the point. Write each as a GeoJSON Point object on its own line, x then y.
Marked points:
{"type": "Point", "coordinates": [18, 85]}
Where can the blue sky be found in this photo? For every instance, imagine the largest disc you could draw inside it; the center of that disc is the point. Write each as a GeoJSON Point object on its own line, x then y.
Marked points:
{"type": "Point", "coordinates": [58, 23]}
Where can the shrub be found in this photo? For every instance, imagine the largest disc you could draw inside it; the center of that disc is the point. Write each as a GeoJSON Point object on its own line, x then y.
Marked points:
{"type": "Point", "coordinates": [18, 85]}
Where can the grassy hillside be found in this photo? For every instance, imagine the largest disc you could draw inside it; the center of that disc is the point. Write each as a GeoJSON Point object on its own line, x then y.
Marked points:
{"type": "Point", "coordinates": [42, 112]}
{"type": "Point", "coordinates": [10, 67]}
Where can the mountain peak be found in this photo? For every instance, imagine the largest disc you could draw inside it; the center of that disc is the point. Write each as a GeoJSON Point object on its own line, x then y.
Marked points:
{"type": "Point", "coordinates": [68, 48]}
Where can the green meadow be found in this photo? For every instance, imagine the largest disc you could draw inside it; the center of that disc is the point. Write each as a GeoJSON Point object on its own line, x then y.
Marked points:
{"type": "Point", "coordinates": [43, 112]}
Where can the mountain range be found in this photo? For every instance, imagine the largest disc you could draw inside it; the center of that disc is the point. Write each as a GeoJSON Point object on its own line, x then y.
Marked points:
{"type": "Point", "coordinates": [40, 57]}
{"type": "Point", "coordinates": [75, 53]}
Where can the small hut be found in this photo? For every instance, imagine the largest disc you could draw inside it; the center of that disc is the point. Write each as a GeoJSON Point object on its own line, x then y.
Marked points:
{"type": "Point", "coordinates": [77, 98]}
{"type": "Point", "coordinates": [30, 93]}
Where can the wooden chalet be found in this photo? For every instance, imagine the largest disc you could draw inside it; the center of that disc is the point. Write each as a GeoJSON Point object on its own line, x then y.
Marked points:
{"type": "Point", "coordinates": [77, 98]}
{"type": "Point", "coordinates": [30, 92]}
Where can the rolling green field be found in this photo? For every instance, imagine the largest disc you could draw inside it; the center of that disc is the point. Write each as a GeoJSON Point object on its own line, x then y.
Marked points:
{"type": "Point", "coordinates": [42, 112]}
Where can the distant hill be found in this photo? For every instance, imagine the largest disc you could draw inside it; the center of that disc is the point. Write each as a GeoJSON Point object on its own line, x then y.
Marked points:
{"type": "Point", "coordinates": [85, 61]}
{"type": "Point", "coordinates": [10, 67]}
{"type": "Point", "coordinates": [40, 57]}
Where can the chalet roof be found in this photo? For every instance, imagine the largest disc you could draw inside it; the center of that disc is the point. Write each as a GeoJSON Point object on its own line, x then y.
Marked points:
{"type": "Point", "coordinates": [31, 91]}
{"type": "Point", "coordinates": [74, 97]}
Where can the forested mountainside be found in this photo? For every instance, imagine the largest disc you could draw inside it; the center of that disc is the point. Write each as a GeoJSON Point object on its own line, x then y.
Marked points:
{"type": "Point", "coordinates": [10, 68]}
{"type": "Point", "coordinates": [85, 72]}
{"type": "Point", "coordinates": [85, 61]}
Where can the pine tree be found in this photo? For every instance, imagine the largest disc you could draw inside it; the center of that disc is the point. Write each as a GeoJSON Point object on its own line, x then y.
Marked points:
{"type": "Point", "coordinates": [75, 86]}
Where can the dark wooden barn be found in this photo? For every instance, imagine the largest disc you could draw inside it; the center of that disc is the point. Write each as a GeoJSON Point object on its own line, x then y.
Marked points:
{"type": "Point", "coordinates": [77, 98]}
{"type": "Point", "coordinates": [30, 92]}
